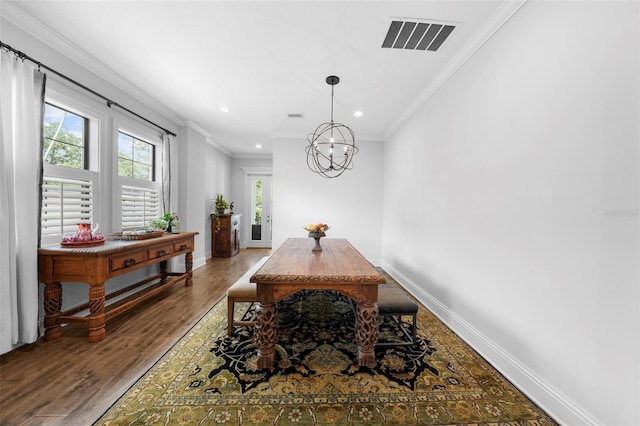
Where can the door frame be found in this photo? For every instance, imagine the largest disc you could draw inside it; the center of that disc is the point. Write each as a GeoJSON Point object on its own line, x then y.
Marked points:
{"type": "Point", "coordinates": [249, 173]}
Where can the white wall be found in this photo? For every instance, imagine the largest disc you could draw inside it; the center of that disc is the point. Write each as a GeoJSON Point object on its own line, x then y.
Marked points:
{"type": "Point", "coordinates": [205, 171]}
{"type": "Point", "coordinates": [519, 223]}
{"type": "Point", "coordinates": [216, 179]}
{"type": "Point", "coordinates": [350, 204]}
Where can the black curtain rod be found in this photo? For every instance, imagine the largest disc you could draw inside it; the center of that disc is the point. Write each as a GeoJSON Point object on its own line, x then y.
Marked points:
{"type": "Point", "coordinates": [110, 103]}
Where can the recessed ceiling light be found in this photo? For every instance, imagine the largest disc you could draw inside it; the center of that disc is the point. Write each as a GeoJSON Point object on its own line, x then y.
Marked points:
{"type": "Point", "coordinates": [358, 113]}
{"type": "Point", "coordinates": [259, 146]}
{"type": "Point", "coordinates": [224, 109]}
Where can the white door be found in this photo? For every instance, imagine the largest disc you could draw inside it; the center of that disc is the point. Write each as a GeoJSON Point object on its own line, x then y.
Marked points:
{"type": "Point", "coordinates": [259, 204]}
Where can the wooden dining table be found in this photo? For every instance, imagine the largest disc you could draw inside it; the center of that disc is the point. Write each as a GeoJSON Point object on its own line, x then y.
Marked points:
{"type": "Point", "coordinates": [294, 267]}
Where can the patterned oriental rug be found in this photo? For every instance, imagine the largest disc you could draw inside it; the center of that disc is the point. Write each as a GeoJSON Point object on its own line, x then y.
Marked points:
{"type": "Point", "coordinates": [209, 378]}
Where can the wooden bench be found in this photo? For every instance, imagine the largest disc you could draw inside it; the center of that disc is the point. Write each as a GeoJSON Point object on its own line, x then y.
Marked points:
{"type": "Point", "coordinates": [242, 291]}
{"type": "Point", "coordinates": [394, 302]}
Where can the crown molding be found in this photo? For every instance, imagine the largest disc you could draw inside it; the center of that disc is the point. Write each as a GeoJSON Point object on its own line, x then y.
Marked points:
{"type": "Point", "coordinates": [246, 156]}
{"type": "Point", "coordinates": [218, 146]}
{"type": "Point", "coordinates": [209, 138]}
{"type": "Point", "coordinates": [193, 126]}
{"type": "Point", "coordinates": [257, 170]}
{"type": "Point", "coordinates": [498, 18]}
{"type": "Point", "coordinates": [46, 35]}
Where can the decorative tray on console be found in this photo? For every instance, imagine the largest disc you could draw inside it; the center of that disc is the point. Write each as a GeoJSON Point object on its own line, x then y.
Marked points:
{"type": "Point", "coordinates": [90, 243]}
{"type": "Point", "coordinates": [136, 236]}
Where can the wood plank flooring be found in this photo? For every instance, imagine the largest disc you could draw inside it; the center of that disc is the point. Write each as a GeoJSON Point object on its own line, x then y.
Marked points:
{"type": "Point", "coordinates": [71, 382]}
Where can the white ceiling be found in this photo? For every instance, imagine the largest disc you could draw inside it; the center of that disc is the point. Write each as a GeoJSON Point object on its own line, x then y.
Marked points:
{"type": "Point", "coordinates": [266, 59]}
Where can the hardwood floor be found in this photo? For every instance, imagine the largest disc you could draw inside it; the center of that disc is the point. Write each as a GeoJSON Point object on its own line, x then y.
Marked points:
{"type": "Point", "coordinates": [70, 381]}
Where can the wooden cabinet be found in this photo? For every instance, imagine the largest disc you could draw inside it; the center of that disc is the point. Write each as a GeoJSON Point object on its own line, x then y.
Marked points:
{"type": "Point", "coordinates": [225, 235]}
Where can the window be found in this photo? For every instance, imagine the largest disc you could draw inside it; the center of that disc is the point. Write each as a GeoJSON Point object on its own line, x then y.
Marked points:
{"type": "Point", "coordinates": [65, 138]}
{"type": "Point", "coordinates": [140, 193]}
{"type": "Point", "coordinates": [69, 181]}
{"type": "Point", "coordinates": [135, 158]}
{"type": "Point", "coordinates": [65, 203]}
{"type": "Point", "coordinates": [139, 206]}
{"type": "Point", "coordinates": [84, 143]}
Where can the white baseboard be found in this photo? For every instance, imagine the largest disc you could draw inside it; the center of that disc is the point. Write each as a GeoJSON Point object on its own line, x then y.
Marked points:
{"type": "Point", "coordinates": [375, 262]}
{"type": "Point", "coordinates": [554, 403]}
{"type": "Point", "coordinates": [201, 261]}
{"type": "Point", "coordinates": [178, 263]}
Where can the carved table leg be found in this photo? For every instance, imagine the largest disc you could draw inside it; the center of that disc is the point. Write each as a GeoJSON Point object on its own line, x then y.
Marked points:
{"type": "Point", "coordinates": [188, 265]}
{"type": "Point", "coordinates": [97, 318]}
{"type": "Point", "coordinates": [265, 334]}
{"type": "Point", "coordinates": [52, 307]}
{"type": "Point", "coordinates": [366, 333]}
{"type": "Point", "coordinates": [163, 269]}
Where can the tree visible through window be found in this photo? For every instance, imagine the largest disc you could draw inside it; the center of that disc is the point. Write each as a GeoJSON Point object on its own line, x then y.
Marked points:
{"type": "Point", "coordinates": [135, 157]}
{"type": "Point", "coordinates": [65, 138]}
{"type": "Point", "coordinates": [258, 202]}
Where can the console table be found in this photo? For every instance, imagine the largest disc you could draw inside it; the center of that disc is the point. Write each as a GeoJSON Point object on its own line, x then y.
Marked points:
{"type": "Point", "coordinates": [93, 266]}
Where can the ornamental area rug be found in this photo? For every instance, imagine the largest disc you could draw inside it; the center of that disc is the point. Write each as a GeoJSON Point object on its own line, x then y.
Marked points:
{"type": "Point", "coordinates": [208, 378]}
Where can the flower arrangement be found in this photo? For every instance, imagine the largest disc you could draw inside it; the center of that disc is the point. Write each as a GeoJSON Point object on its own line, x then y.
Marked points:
{"type": "Point", "coordinates": [171, 218]}
{"type": "Point", "coordinates": [173, 222]}
{"type": "Point", "coordinates": [319, 228]}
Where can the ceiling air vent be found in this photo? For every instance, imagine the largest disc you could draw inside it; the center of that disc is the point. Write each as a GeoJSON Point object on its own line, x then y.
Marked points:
{"type": "Point", "coordinates": [417, 35]}
{"type": "Point", "coordinates": [296, 115]}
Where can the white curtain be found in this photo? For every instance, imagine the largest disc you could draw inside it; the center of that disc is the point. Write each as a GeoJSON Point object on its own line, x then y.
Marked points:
{"type": "Point", "coordinates": [167, 166]}
{"type": "Point", "coordinates": [21, 109]}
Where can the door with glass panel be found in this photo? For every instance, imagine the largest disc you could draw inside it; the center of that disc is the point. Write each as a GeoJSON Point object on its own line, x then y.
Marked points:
{"type": "Point", "coordinates": [259, 210]}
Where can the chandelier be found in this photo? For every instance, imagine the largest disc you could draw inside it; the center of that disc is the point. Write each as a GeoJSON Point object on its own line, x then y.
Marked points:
{"type": "Point", "coordinates": [332, 146]}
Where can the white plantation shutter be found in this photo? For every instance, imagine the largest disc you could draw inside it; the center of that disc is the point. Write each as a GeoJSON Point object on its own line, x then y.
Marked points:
{"type": "Point", "coordinates": [139, 206]}
{"type": "Point", "coordinates": [65, 202]}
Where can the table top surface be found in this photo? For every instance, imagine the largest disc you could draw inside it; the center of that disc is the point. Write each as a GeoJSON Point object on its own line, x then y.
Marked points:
{"type": "Point", "coordinates": [111, 246]}
{"type": "Point", "coordinates": [338, 262]}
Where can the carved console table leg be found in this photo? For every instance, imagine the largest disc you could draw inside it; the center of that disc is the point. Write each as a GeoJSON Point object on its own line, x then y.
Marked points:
{"type": "Point", "coordinates": [366, 333]}
{"type": "Point", "coordinates": [52, 307]}
{"type": "Point", "coordinates": [188, 264]}
{"type": "Point", "coordinates": [265, 333]}
{"type": "Point", "coordinates": [96, 317]}
{"type": "Point", "coordinates": [163, 269]}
